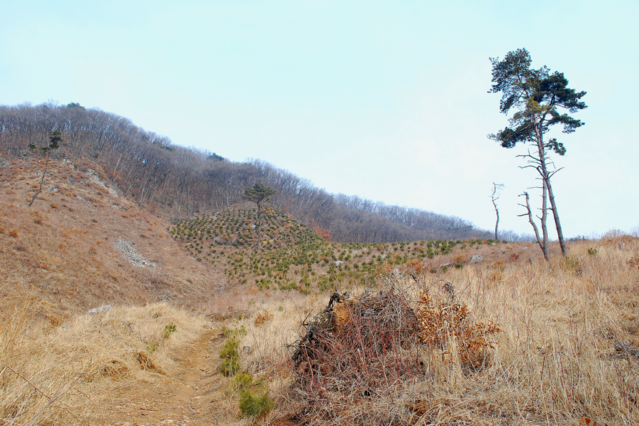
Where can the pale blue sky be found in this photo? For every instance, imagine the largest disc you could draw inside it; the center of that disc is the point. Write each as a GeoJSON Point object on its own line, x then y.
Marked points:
{"type": "Point", "coordinates": [382, 99]}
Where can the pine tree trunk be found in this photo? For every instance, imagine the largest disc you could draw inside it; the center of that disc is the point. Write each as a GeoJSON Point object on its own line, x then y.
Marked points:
{"type": "Point", "coordinates": [44, 172]}
{"type": "Point", "coordinates": [259, 226]}
{"type": "Point", "coordinates": [555, 214]}
{"type": "Point", "coordinates": [544, 216]}
{"type": "Point", "coordinates": [548, 192]}
{"type": "Point", "coordinates": [497, 222]}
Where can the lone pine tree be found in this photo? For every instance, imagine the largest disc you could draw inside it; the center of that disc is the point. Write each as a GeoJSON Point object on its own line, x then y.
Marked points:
{"type": "Point", "coordinates": [258, 194]}
{"type": "Point", "coordinates": [537, 95]}
{"type": "Point", "coordinates": [54, 143]}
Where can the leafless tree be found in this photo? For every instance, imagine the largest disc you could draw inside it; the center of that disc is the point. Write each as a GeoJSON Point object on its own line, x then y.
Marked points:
{"type": "Point", "coordinates": [494, 197]}
{"type": "Point", "coordinates": [543, 244]}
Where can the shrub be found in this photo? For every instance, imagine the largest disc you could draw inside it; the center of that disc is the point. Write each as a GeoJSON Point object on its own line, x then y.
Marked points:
{"type": "Point", "coordinates": [243, 381]}
{"type": "Point", "coordinates": [256, 406]}
{"type": "Point", "coordinates": [168, 330]}
{"type": "Point", "coordinates": [230, 357]}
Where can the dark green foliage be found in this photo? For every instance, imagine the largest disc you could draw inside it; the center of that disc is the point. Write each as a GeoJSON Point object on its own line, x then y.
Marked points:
{"type": "Point", "coordinates": [538, 95]}
{"type": "Point", "coordinates": [256, 404]}
{"type": "Point", "coordinates": [229, 354]}
{"type": "Point", "coordinates": [258, 193]}
{"type": "Point", "coordinates": [230, 357]}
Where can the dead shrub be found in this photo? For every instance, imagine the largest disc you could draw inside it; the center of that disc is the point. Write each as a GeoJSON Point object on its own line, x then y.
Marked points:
{"type": "Point", "coordinates": [13, 233]}
{"type": "Point", "coordinates": [114, 370]}
{"type": "Point", "coordinates": [262, 318]}
{"type": "Point", "coordinates": [354, 352]}
{"type": "Point", "coordinates": [37, 218]}
{"type": "Point", "coordinates": [146, 363]}
{"type": "Point", "coordinates": [494, 275]}
{"type": "Point", "coordinates": [441, 321]}
{"type": "Point", "coordinates": [415, 265]}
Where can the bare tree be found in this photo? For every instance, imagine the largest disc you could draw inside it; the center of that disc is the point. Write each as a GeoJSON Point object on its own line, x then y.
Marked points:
{"type": "Point", "coordinates": [543, 245]}
{"type": "Point", "coordinates": [494, 197]}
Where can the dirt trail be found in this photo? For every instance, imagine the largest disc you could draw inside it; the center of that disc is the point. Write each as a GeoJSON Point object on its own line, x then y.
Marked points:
{"type": "Point", "coordinates": [193, 394]}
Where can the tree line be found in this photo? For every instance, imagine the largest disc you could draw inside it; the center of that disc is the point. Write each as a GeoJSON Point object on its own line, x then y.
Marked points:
{"type": "Point", "coordinates": [179, 181]}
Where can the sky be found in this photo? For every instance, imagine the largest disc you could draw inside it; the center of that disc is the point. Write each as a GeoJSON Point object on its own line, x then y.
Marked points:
{"type": "Point", "coordinates": [386, 100]}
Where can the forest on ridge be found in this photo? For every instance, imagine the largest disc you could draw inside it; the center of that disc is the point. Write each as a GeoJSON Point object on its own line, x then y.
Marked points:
{"type": "Point", "coordinates": [183, 182]}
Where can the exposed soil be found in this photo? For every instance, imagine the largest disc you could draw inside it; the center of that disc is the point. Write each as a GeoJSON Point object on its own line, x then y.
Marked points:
{"type": "Point", "coordinates": [192, 394]}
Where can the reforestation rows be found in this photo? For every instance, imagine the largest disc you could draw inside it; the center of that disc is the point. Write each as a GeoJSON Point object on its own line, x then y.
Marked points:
{"type": "Point", "coordinates": [292, 256]}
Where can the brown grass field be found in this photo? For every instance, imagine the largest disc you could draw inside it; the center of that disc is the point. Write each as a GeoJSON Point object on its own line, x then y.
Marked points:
{"type": "Point", "coordinates": [154, 357]}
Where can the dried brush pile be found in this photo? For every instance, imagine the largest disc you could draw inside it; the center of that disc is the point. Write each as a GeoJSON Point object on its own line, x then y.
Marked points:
{"type": "Point", "coordinates": [361, 359]}
{"type": "Point", "coordinates": [356, 352]}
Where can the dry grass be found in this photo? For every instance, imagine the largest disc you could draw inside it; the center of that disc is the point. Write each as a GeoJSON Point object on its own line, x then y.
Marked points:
{"type": "Point", "coordinates": [554, 360]}
{"type": "Point", "coordinates": [64, 374]}
{"type": "Point", "coordinates": [62, 249]}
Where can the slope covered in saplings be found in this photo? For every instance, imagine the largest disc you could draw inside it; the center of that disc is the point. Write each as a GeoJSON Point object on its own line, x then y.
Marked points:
{"type": "Point", "coordinates": [294, 258]}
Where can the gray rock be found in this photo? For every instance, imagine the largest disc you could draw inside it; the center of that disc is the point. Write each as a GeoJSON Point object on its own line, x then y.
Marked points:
{"type": "Point", "coordinates": [476, 258]}
{"type": "Point", "coordinates": [622, 246]}
{"type": "Point", "coordinates": [218, 240]}
{"type": "Point", "coordinates": [338, 263]}
{"type": "Point", "coordinates": [100, 309]}
{"type": "Point", "coordinates": [132, 255]}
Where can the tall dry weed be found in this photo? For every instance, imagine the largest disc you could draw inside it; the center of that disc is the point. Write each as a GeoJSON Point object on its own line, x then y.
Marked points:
{"type": "Point", "coordinates": [60, 375]}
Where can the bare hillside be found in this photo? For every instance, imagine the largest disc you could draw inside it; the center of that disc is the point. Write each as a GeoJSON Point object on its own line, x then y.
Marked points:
{"type": "Point", "coordinates": [83, 243]}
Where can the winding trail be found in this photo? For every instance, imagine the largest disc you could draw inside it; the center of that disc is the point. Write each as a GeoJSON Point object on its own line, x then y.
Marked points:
{"type": "Point", "coordinates": [193, 394]}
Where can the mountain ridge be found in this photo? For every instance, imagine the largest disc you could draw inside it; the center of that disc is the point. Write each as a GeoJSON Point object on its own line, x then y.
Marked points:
{"type": "Point", "coordinates": [181, 182]}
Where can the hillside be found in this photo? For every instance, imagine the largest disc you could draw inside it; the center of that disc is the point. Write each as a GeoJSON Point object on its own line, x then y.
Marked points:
{"type": "Point", "coordinates": [204, 330]}
{"type": "Point", "coordinates": [182, 182]}
{"type": "Point", "coordinates": [295, 258]}
{"type": "Point", "coordinates": [83, 243]}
